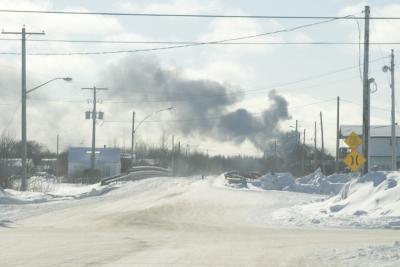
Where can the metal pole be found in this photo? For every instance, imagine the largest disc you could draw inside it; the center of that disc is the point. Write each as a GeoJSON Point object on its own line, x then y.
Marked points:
{"type": "Point", "coordinates": [315, 144]}
{"type": "Point", "coordinates": [322, 144]}
{"type": "Point", "coordinates": [366, 91]}
{"type": "Point", "coordinates": [337, 133]}
{"type": "Point", "coordinates": [133, 138]}
{"type": "Point", "coordinates": [394, 141]}
{"type": "Point", "coordinates": [303, 154]}
{"type": "Point", "coordinates": [23, 114]}
{"type": "Point", "coordinates": [276, 156]}
{"type": "Point", "coordinates": [173, 154]}
{"type": "Point", "coordinates": [94, 115]}
{"type": "Point", "coordinates": [57, 170]}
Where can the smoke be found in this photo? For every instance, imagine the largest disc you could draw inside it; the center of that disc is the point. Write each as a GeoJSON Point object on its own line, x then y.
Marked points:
{"type": "Point", "coordinates": [241, 125]}
{"type": "Point", "coordinates": [201, 105]}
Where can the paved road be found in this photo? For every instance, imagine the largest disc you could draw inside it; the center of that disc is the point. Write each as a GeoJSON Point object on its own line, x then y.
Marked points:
{"type": "Point", "coordinates": [174, 222]}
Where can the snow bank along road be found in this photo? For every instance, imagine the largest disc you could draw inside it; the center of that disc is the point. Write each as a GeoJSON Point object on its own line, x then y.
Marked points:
{"type": "Point", "coordinates": [175, 222]}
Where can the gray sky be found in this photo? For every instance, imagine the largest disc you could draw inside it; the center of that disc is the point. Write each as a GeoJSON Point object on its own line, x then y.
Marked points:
{"type": "Point", "coordinates": [59, 107]}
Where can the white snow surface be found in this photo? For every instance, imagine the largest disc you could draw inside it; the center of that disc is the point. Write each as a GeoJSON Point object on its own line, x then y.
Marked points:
{"type": "Point", "coordinates": [314, 183]}
{"type": "Point", "coordinates": [62, 191]}
{"type": "Point", "coordinates": [372, 201]}
{"type": "Point", "coordinates": [169, 221]}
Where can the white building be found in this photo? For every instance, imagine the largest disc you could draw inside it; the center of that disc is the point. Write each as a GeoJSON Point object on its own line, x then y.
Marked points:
{"type": "Point", "coordinates": [108, 161]}
{"type": "Point", "coordinates": [380, 144]}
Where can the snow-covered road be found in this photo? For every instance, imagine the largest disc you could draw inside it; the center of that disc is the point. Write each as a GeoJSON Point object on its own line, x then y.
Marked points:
{"type": "Point", "coordinates": [175, 222]}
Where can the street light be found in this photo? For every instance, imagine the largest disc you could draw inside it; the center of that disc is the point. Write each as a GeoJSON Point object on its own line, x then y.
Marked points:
{"type": "Point", "coordinates": [23, 129]}
{"type": "Point", "coordinates": [134, 129]}
{"type": "Point", "coordinates": [67, 79]}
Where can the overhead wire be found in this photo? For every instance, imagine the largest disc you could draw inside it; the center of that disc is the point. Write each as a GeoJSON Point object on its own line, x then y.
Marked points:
{"type": "Point", "coordinates": [245, 37]}
{"type": "Point", "coordinates": [359, 43]}
{"type": "Point", "coordinates": [187, 15]}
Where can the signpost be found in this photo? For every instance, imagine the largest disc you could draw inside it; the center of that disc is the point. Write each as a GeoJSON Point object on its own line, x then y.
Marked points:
{"type": "Point", "coordinates": [354, 160]}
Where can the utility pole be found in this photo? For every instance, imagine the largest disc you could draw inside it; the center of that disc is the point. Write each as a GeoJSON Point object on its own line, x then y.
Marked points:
{"type": "Point", "coordinates": [23, 34]}
{"type": "Point", "coordinates": [94, 114]}
{"type": "Point", "coordinates": [187, 150]}
{"type": "Point", "coordinates": [366, 91]}
{"type": "Point", "coordinates": [394, 138]}
{"type": "Point", "coordinates": [276, 155]}
{"type": "Point", "coordinates": [303, 154]}
{"type": "Point", "coordinates": [133, 138]}
{"type": "Point", "coordinates": [393, 112]}
{"type": "Point", "coordinates": [297, 133]}
{"type": "Point", "coordinates": [337, 134]}
{"type": "Point", "coordinates": [58, 141]}
{"type": "Point", "coordinates": [322, 144]}
{"type": "Point", "coordinates": [315, 144]}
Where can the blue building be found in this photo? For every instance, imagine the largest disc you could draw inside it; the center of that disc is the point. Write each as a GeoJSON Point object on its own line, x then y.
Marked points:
{"type": "Point", "coordinates": [108, 161]}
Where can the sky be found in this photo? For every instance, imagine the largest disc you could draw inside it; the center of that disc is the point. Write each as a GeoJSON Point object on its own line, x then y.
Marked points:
{"type": "Point", "coordinates": [309, 77]}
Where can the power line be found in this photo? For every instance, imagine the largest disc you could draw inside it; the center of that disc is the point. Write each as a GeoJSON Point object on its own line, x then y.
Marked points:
{"type": "Point", "coordinates": [197, 43]}
{"type": "Point", "coordinates": [186, 15]}
{"type": "Point", "coordinates": [285, 30]}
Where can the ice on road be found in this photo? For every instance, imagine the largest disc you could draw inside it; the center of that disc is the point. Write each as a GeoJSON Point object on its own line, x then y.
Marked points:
{"type": "Point", "coordinates": [174, 222]}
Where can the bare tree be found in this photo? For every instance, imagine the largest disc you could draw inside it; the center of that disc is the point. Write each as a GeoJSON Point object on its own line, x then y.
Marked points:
{"type": "Point", "coordinates": [8, 152]}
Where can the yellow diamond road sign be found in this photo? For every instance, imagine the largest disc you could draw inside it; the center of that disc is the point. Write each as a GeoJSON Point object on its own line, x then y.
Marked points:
{"type": "Point", "coordinates": [353, 140]}
{"type": "Point", "coordinates": [354, 160]}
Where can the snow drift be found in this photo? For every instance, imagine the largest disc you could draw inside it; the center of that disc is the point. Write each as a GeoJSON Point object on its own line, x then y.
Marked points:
{"type": "Point", "coordinates": [314, 183]}
{"type": "Point", "coordinates": [371, 201]}
{"type": "Point", "coordinates": [60, 192]}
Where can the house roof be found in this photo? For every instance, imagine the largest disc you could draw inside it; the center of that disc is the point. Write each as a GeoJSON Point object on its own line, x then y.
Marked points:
{"type": "Point", "coordinates": [82, 154]}
{"type": "Point", "coordinates": [375, 130]}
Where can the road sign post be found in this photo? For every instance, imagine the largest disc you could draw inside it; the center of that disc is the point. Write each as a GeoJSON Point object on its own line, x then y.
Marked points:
{"type": "Point", "coordinates": [354, 160]}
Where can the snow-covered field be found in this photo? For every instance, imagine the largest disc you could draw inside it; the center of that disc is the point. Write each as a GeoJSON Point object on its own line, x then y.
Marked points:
{"type": "Point", "coordinates": [179, 222]}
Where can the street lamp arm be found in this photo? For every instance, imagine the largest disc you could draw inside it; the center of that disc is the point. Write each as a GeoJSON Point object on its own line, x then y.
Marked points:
{"type": "Point", "coordinates": [140, 123]}
{"type": "Point", "coordinates": [148, 116]}
{"type": "Point", "coordinates": [49, 81]}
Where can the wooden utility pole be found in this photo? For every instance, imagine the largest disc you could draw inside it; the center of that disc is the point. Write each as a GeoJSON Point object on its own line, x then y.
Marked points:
{"type": "Point", "coordinates": [24, 166]}
{"type": "Point", "coordinates": [337, 134]}
{"type": "Point", "coordinates": [95, 115]}
{"type": "Point", "coordinates": [322, 144]}
{"type": "Point", "coordinates": [394, 138]}
{"type": "Point", "coordinates": [393, 112]}
{"type": "Point", "coordinates": [366, 90]}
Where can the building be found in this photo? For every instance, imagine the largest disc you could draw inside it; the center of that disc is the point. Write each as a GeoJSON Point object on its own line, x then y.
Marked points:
{"type": "Point", "coordinates": [108, 161]}
{"type": "Point", "coordinates": [380, 145]}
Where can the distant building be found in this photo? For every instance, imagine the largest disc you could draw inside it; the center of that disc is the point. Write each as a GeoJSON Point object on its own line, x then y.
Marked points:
{"type": "Point", "coordinates": [380, 145]}
{"type": "Point", "coordinates": [108, 161]}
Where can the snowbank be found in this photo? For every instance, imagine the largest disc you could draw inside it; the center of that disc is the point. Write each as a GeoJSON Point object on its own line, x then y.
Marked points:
{"type": "Point", "coordinates": [61, 191]}
{"type": "Point", "coordinates": [314, 183]}
{"type": "Point", "coordinates": [369, 201]}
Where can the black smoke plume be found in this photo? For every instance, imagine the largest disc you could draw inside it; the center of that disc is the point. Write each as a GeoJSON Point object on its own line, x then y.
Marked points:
{"type": "Point", "coordinates": [201, 105]}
